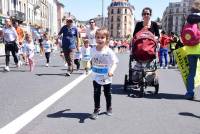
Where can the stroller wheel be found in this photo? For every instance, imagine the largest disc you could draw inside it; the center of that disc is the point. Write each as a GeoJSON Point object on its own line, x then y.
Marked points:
{"type": "Point", "coordinates": [156, 86]}
{"type": "Point", "coordinates": [141, 93]}
{"type": "Point", "coordinates": [125, 82]}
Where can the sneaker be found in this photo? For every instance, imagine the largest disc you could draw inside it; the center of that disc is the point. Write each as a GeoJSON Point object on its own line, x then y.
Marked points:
{"type": "Point", "coordinates": [86, 71]}
{"type": "Point", "coordinates": [19, 63]}
{"type": "Point", "coordinates": [47, 65]}
{"type": "Point", "coordinates": [95, 114]}
{"type": "Point", "coordinates": [68, 74]}
{"type": "Point", "coordinates": [161, 67]}
{"type": "Point", "coordinates": [166, 67]}
{"type": "Point", "coordinates": [6, 68]}
{"type": "Point", "coordinates": [189, 97]}
{"type": "Point", "coordinates": [65, 65]}
{"type": "Point", "coordinates": [109, 112]}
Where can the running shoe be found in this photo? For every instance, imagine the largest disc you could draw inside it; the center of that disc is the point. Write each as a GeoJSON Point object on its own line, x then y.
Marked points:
{"type": "Point", "coordinates": [7, 69]}
{"type": "Point", "coordinates": [95, 114]}
{"type": "Point", "coordinates": [109, 112]}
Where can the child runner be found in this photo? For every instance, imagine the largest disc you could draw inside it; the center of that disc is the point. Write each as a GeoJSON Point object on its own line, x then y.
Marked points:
{"type": "Point", "coordinates": [77, 59]}
{"type": "Point", "coordinates": [29, 50]}
{"type": "Point", "coordinates": [104, 63]}
{"type": "Point", "coordinates": [86, 56]}
{"type": "Point", "coordinates": [47, 45]}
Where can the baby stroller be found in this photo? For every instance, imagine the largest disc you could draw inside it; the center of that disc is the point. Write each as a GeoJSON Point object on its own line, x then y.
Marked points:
{"type": "Point", "coordinates": [142, 64]}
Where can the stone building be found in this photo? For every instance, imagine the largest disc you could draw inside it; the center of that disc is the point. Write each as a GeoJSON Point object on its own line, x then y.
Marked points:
{"type": "Point", "coordinates": [120, 19]}
{"type": "Point", "coordinates": [175, 15]}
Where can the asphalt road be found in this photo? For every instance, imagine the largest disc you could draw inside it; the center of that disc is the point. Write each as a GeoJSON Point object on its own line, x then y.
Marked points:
{"type": "Point", "coordinates": [166, 113]}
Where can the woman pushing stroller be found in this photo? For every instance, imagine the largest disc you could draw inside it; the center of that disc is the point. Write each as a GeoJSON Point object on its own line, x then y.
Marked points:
{"type": "Point", "coordinates": [144, 44]}
{"type": "Point", "coordinates": [147, 23]}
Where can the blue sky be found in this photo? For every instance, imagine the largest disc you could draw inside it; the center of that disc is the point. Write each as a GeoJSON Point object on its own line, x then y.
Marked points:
{"type": "Point", "coordinates": [86, 9]}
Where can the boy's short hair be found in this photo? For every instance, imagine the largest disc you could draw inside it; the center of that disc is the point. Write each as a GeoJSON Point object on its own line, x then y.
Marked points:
{"type": "Point", "coordinates": [104, 31]}
{"type": "Point", "coordinates": [85, 40]}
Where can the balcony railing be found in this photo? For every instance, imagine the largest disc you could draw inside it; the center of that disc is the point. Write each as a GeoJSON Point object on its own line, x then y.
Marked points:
{"type": "Point", "coordinates": [17, 15]}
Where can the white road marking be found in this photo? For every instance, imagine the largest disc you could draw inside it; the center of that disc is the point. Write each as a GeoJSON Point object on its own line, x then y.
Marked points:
{"type": "Point", "coordinates": [21, 121]}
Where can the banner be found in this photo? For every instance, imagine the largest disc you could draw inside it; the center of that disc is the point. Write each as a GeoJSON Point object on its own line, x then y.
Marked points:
{"type": "Point", "coordinates": [182, 62]}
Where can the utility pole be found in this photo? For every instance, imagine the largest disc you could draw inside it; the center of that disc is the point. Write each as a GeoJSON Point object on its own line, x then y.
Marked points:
{"type": "Point", "coordinates": [102, 24]}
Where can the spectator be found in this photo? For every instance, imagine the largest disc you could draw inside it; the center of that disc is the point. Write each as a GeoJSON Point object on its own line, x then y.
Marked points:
{"type": "Point", "coordinates": [164, 43]}
{"type": "Point", "coordinates": [90, 32]}
{"type": "Point", "coordinates": [21, 35]}
{"type": "Point", "coordinates": [194, 17]}
{"type": "Point", "coordinates": [11, 41]}
{"type": "Point", "coordinates": [70, 41]}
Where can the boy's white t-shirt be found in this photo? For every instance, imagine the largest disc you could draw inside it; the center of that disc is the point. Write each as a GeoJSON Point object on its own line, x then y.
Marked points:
{"type": "Point", "coordinates": [101, 65]}
{"type": "Point", "coordinates": [47, 45]}
{"type": "Point", "coordinates": [86, 56]}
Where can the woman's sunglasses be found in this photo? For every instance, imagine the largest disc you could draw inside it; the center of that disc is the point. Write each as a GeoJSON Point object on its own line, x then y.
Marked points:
{"type": "Point", "coordinates": [145, 14]}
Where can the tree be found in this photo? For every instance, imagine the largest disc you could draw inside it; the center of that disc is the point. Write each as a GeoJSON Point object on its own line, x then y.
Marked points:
{"type": "Point", "coordinates": [158, 20]}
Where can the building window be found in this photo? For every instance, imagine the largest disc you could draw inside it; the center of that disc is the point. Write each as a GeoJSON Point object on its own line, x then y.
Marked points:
{"type": "Point", "coordinates": [184, 10]}
{"type": "Point", "coordinates": [29, 14]}
{"type": "Point", "coordinates": [125, 19]}
{"type": "Point", "coordinates": [25, 9]}
{"type": "Point", "coordinates": [20, 6]}
{"type": "Point", "coordinates": [118, 26]}
{"type": "Point", "coordinates": [111, 27]}
{"type": "Point", "coordinates": [177, 21]}
{"type": "Point", "coordinates": [177, 10]}
{"type": "Point", "coordinates": [112, 11]}
{"type": "Point", "coordinates": [1, 7]}
{"type": "Point", "coordinates": [118, 11]}
{"type": "Point", "coordinates": [171, 11]}
{"type": "Point", "coordinates": [111, 18]}
{"type": "Point", "coordinates": [125, 29]}
{"type": "Point", "coordinates": [125, 11]}
{"type": "Point", "coordinates": [118, 18]}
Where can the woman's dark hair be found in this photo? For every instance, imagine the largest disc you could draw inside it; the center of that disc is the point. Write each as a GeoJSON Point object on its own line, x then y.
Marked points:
{"type": "Point", "coordinates": [92, 20]}
{"type": "Point", "coordinates": [147, 8]}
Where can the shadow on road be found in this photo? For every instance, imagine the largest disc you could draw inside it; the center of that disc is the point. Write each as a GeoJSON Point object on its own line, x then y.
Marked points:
{"type": "Point", "coordinates": [81, 116]}
{"type": "Point", "coordinates": [60, 74]}
{"type": "Point", "coordinates": [189, 114]}
{"type": "Point", "coordinates": [166, 96]}
{"type": "Point", "coordinates": [18, 70]}
{"type": "Point", "coordinates": [118, 89]}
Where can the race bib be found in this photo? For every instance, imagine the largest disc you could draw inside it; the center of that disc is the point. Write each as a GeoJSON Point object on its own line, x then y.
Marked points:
{"type": "Point", "coordinates": [47, 46]}
{"type": "Point", "coordinates": [86, 57]}
{"type": "Point", "coordinates": [100, 70]}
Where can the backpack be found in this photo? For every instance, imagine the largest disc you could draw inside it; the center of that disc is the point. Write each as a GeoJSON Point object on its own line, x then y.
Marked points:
{"type": "Point", "coordinates": [190, 34]}
{"type": "Point", "coordinates": [144, 46]}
